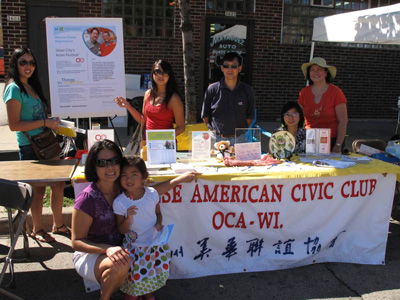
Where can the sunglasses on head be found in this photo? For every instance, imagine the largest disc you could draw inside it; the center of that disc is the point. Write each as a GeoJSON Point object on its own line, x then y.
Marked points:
{"type": "Point", "coordinates": [24, 63]}
{"type": "Point", "coordinates": [293, 114]}
{"type": "Point", "coordinates": [105, 162]}
{"type": "Point", "coordinates": [160, 72]}
{"type": "Point", "coordinates": [234, 67]}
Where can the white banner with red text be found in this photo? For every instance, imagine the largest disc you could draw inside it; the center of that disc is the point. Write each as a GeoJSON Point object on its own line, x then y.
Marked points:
{"type": "Point", "coordinates": [269, 224]}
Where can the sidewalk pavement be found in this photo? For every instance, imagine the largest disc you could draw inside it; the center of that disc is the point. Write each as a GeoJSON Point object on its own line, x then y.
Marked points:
{"type": "Point", "coordinates": [49, 274]}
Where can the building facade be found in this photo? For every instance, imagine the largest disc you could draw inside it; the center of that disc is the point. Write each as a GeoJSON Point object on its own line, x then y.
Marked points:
{"type": "Point", "coordinates": [273, 37]}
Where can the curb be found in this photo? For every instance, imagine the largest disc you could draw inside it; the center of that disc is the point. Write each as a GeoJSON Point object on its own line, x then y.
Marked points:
{"type": "Point", "coordinates": [47, 219]}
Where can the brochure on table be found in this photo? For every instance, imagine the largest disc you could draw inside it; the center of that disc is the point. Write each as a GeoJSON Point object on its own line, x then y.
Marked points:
{"type": "Point", "coordinates": [161, 146]}
{"type": "Point", "coordinates": [86, 73]}
{"type": "Point", "coordinates": [201, 143]}
{"type": "Point", "coordinates": [318, 141]}
{"type": "Point", "coordinates": [247, 144]}
{"type": "Point", "coordinates": [99, 135]}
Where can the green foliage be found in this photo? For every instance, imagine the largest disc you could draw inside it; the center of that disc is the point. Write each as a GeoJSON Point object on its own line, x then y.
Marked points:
{"type": "Point", "coordinates": [46, 201]}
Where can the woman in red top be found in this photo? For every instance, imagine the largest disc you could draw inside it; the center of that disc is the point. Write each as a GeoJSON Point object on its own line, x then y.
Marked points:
{"type": "Point", "coordinates": [162, 104]}
{"type": "Point", "coordinates": [323, 103]}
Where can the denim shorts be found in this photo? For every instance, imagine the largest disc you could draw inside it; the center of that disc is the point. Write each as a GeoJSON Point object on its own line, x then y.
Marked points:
{"type": "Point", "coordinates": [26, 153]}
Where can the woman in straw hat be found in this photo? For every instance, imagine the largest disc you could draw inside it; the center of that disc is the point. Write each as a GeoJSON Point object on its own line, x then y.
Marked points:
{"type": "Point", "coordinates": [323, 103]}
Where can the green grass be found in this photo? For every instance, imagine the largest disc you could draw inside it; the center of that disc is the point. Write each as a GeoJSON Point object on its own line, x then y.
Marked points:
{"type": "Point", "coordinates": [46, 201]}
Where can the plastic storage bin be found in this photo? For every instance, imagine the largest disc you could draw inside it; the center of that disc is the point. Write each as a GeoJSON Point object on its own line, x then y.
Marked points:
{"type": "Point", "coordinates": [394, 150]}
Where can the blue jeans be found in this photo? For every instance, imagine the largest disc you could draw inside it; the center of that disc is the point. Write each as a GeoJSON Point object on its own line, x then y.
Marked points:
{"type": "Point", "coordinates": [26, 153]}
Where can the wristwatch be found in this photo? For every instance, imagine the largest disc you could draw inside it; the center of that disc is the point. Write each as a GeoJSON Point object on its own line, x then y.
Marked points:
{"type": "Point", "coordinates": [338, 144]}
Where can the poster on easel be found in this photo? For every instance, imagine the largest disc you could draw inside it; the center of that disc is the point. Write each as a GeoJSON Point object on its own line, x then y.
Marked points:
{"type": "Point", "coordinates": [86, 66]}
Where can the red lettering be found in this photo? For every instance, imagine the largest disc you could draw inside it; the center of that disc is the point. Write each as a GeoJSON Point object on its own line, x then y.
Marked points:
{"type": "Point", "coordinates": [241, 223]}
{"type": "Point", "coordinates": [244, 199]}
{"type": "Point", "coordinates": [312, 191]}
{"type": "Point", "coordinates": [226, 219]}
{"type": "Point", "coordinates": [221, 220]}
{"type": "Point", "coordinates": [373, 185]}
{"type": "Point", "coordinates": [251, 199]}
{"type": "Point", "coordinates": [235, 193]}
{"type": "Point", "coordinates": [166, 198]}
{"type": "Point", "coordinates": [363, 192]}
{"type": "Point", "coordinates": [325, 192]}
{"type": "Point", "coordinates": [210, 197]}
{"type": "Point", "coordinates": [347, 183]}
{"type": "Point", "coordinates": [224, 192]}
{"type": "Point", "coordinates": [353, 192]}
{"type": "Point", "coordinates": [177, 194]}
{"type": "Point", "coordinates": [297, 186]}
{"type": "Point", "coordinates": [264, 194]}
{"type": "Point", "coordinates": [196, 195]}
{"type": "Point", "coordinates": [266, 219]}
{"type": "Point", "coordinates": [276, 193]}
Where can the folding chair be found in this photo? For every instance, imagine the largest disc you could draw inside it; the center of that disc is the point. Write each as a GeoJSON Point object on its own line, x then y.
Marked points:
{"type": "Point", "coordinates": [374, 143]}
{"type": "Point", "coordinates": [15, 196]}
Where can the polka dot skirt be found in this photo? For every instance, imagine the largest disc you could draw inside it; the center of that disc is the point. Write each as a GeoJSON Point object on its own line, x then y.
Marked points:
{"type": "Point", "coordinates": [149, 270]}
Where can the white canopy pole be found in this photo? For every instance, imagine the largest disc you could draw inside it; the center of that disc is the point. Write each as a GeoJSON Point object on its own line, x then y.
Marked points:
{"type": "Point", "coordinates": [311, 55]}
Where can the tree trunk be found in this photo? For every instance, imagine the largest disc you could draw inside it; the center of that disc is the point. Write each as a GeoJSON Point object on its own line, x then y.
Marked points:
{"type": "Point", "coordinates": [188, 65]}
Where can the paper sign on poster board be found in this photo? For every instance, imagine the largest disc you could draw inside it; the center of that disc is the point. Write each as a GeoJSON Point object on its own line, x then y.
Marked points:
{"type": "Point", "coordinates": [99, 135]}
{"type": "Point", "coordinates": [161, 146]}
{"type": "Point", "coordinates": [86, 66]}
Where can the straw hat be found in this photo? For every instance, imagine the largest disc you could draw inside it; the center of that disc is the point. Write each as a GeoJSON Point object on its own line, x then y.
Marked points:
{"type": "Point", "coordinates": [320, 62]}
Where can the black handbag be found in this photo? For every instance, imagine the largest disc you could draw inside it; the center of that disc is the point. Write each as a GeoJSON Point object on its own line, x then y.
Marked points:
{"type": "Point", "coordinates": [45, 144]}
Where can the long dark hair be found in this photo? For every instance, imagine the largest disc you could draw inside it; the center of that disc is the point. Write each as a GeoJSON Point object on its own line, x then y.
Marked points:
{"type": "Point", "coordinates": [91, 159]}
{"type": "Point", "coordinates": [172, 86]}
{"type": "Point", "coordinates": [13, 75]}
{"type": "Point", "coordinates": [289, 105]}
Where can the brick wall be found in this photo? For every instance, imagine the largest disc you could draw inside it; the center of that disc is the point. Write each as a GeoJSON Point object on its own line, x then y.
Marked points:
{"type": "Point", "coordinates": [368, 77]}
{"type": "Point", "coordinates": [14, 32]}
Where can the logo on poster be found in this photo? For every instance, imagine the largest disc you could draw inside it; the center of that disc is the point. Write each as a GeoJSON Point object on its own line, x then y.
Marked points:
{"type": "Point", "coordinates": [100, 137]}
{"type": "Point", "coordinates": [79, 59]}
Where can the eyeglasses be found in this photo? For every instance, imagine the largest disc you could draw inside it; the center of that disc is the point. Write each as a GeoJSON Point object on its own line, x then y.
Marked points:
{"type": "Point", "coordinates": [293, 114]}
{"type": "Point", "coordinates": [24, 63]}
{"type": "Point", "coordinates": [234, 67]}
{"type": "Point", "coordinates": [102, 163]}
{"type": "Point", "coordinates": [161, 73]}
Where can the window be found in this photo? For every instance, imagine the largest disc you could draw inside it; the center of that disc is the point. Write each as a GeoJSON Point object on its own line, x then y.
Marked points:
{"type": "Point", "coordinates": [327, 3]}
{"type": "Point", "coordinates": [298, 15]}
{"type": "Point", "coordinates": [150, 18]}
{"type": "Point", "coordinates": [231, 5]}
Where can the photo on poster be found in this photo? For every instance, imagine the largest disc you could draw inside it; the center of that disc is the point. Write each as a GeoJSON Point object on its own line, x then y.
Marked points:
{"type": "Point", "coordinates": [86, 66]}
{"type": "Point", "coordinates": [101, 41]}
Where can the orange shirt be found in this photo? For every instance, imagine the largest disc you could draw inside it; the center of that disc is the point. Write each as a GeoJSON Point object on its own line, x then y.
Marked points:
{"type": "Point", "coordinates": [321, 115]}
{"type": "Point", "coordinates": [105, 50]}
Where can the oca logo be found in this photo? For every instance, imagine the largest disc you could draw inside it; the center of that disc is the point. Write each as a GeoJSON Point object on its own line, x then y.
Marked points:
{"type": "Point", "coordinates": [79, 59]}
{"type": "Point", "coordinates": [100, 137]}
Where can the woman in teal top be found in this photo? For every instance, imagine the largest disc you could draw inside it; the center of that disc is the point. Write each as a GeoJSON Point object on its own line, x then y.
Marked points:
{"type": "Point", "coordinates": [26, 106]}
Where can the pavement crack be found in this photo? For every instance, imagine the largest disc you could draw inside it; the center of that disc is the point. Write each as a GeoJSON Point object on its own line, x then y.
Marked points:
{"type": "Point", "coordinates": [342, 282]}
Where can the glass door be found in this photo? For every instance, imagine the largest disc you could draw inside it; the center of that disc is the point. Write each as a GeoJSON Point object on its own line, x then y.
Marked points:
{"type": "Point", "coordinates": [223, 37]}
